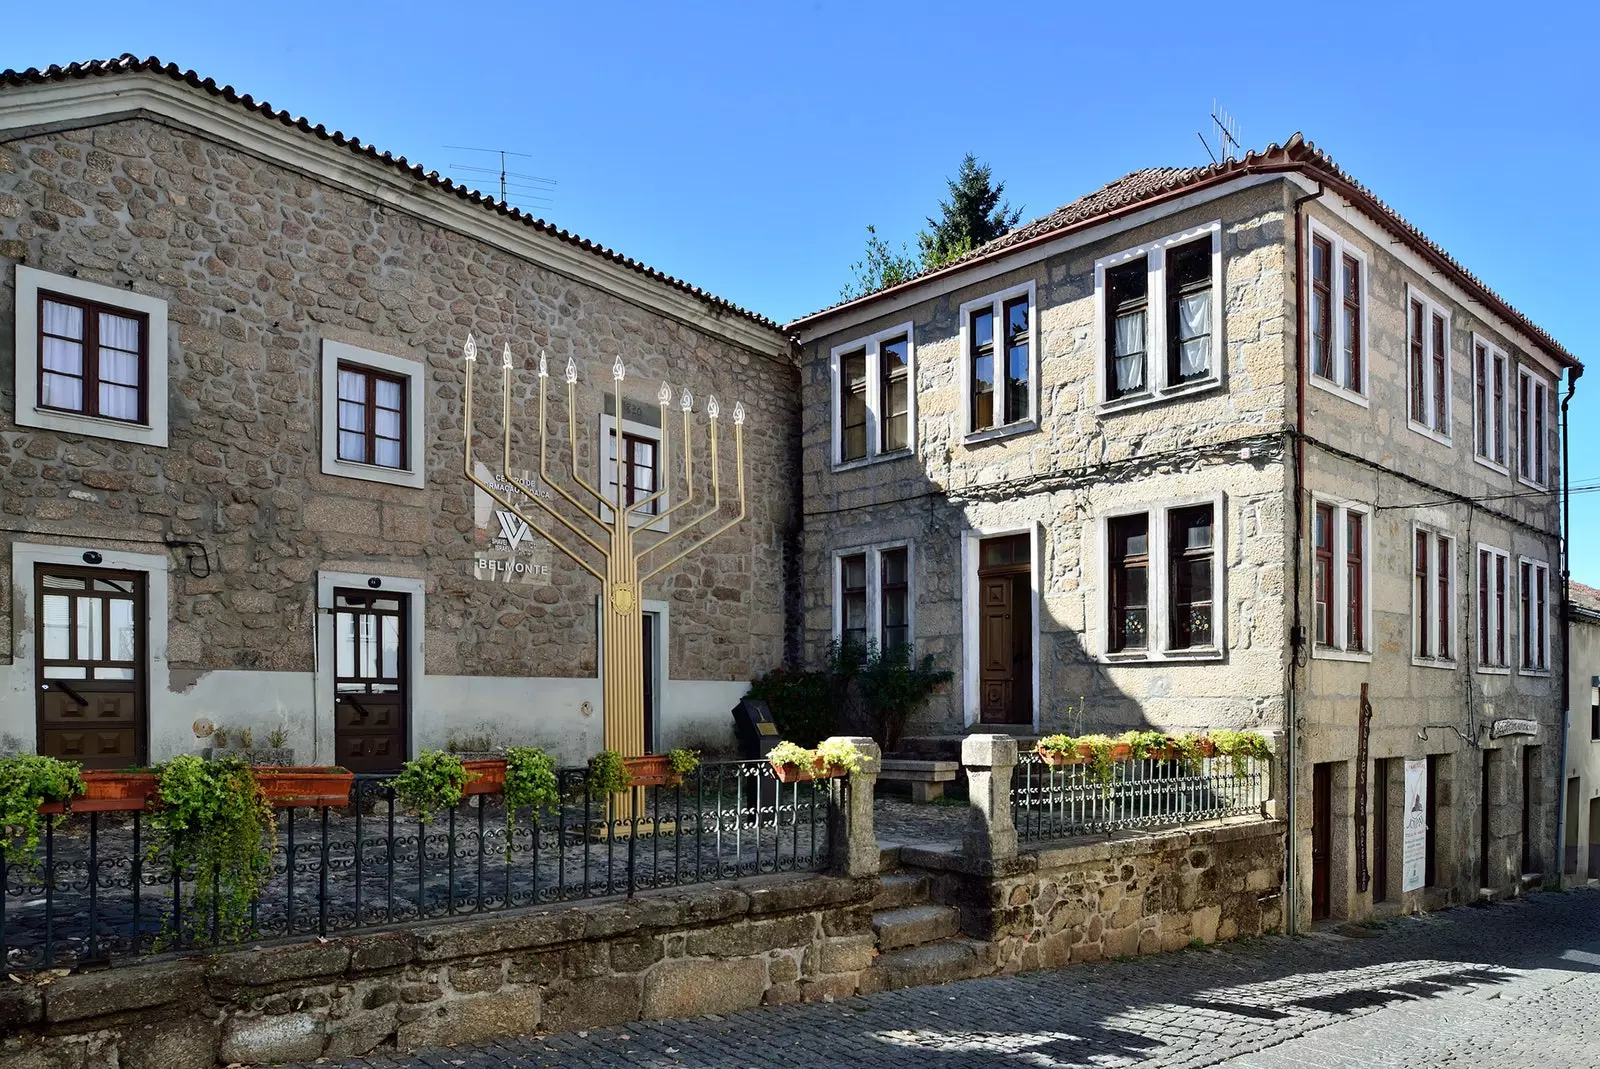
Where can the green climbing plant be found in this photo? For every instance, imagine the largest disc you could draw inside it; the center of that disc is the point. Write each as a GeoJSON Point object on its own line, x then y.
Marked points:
{"type": "Point", "coordinates": [1241, 746]}
{"type": "Point", "coordinates": [530, 784]}
{"type": "Point", "coordinates": [27, 781]}
{"type": "Point", "coordinates": [607, 774]}
{"type": "Point", "coordinates": [683, 762]}
{"type": "Point", "coordinates": [431, 782]}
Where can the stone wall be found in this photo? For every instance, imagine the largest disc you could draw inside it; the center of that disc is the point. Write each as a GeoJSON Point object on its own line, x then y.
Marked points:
{"type": "Point", "coordinates": [260, 265]}
{"type": "Point", "coordinates": [712, 950]}
{"type": "Point", "coordinates": [1135, 893]}
{"type": "Point", "coordinates": [1083, 462]}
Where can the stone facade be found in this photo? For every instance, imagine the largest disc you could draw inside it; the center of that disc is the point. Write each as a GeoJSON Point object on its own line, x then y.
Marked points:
{"type": "Point", "coordinates": [1581, 818]}
{"type": "Point", "coordinates": [262, 264]}
{"type": "Point", "coordinates": [1240, 442]}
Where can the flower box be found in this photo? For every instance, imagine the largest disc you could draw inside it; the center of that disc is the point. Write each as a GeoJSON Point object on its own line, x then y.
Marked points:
{"type": "Point", "coordinates": [651, 770]}
{"type": "Point", "coordinates": [485, 775]}
{"type": "Point", "coordinates": [801, 773]}
{"type": "Point", "coordinates": [288, 787]}
{"type": "Point", "coordinates": [124, 791]}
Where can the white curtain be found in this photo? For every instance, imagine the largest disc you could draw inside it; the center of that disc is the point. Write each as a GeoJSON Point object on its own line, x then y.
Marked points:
{"type": "Point", "coordinates": [1194, 335]}
{"type": "Point", "coordinates": [1130, 352]}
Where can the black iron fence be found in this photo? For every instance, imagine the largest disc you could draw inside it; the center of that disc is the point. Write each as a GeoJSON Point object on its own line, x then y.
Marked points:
{"type": "Point", "coordinates": [100, 888]}
{"type": "Point", "coordinates": [1055, 802]}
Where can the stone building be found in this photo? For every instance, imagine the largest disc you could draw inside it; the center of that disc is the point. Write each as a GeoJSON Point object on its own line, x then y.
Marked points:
{"type": "Point", "coordinates": [1221, 447]}
{"type": "Point", "coordinates": [1581, 813]}
{"type": "Point", "coordinates": [231, 444]}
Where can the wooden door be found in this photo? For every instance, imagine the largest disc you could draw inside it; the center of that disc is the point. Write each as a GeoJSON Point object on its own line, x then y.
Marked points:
{"type": "Point", "coordinates": [649, 663]}
{"type": "Point", "coordinates": [1321, 840]}
{"type": "Point", "coordinates": [90, 637]}
{"type": "Point", "coordinates": [371, 693]}
{"type": "Point", "coordinates": [1005, 630]}
{"type": "Point", "coordinates": [1380, 830]}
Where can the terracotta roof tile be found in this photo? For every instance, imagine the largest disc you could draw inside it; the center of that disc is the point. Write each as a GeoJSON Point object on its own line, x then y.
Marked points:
{"type": "Point", "coordinates": [129, 64]}
{"type": "Point", "coordinates": [1139, 188]}
{"type": "Point", "coordinates": [1586, 598]}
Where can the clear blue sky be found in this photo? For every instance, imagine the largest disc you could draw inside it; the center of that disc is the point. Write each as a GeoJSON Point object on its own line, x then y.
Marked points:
{"type": "Point", "coordinates": [744, 147]}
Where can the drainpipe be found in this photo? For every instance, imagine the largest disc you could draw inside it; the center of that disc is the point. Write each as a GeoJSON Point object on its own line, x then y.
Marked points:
{"type": "Point", "coordinates": [1297, 634]}
{"type": "Point", "coordinates": [1574, 373]}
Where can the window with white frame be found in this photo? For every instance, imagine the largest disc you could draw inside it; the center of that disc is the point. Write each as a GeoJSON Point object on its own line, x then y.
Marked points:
{"type": "Point", "coordinates": [872, 596]}
{"type": "Point", "coordinates": [1339, 578]}
{"type": "Point", "coordinates": [1533, 445]}
{"type": "Point", "coordinates": [372, 406]}
{"type": "Point", "coordinates": [1534, 593]}
{"type": "Point", "coordinates": [1494, 577]}
{"type": "Point", "coordinates": [1159, 314]}
{"type": "Point", "coordinates": [873, 400]}
{"type": "Point", "coordinates": [90, 359]}
{"type": "Point", "coordinates": [642, 470]}
{"type": "Point", "coordinates": [1000, 353]}
{"type": "Point", "coordinates": [1433, 614]}
{"type": "Point", "coordinates": [1163, 581]}
{"type": "Point", "coordinates": [1338, 319]}
{"type": "Point", "coordinates": [1490, 382]}
{"type": "Point", "coordinates": [1428, 361]}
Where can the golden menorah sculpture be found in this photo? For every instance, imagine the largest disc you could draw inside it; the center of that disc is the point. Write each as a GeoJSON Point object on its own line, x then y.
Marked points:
{"type": "Point", "coordinates": [617, 545]}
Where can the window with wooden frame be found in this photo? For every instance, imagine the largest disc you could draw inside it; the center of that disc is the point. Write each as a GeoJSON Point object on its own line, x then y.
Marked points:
{"type": "Point", "coordinates": [1160, 319]}
{"type": "Point", "coordinates": [1322, 574]}
{"type": "Point", "coordinates": [998, 338]}
{"type": "Point", "coordinates": [640, 471]}
{"type": "Point", "coordinates": [853, 599]}
{"type": "Point", "coordinates": [1433, 596]}
{"type": "Point", "coordinates": [1128, 327]}
{"type": "Point", "coordinates": [1494, 568]}
{"type": "Point", "coordinates": [894, 598]}
{"type": "Point", "coordinates": [88, 625]}
{"type": "Point", "coordinates": [1534, 592]}
{"type": "Point", "coordinates": [1533, 444]}
{"type": "Point", "coordinates": [1428, 342]}
{"type": "Point", "coordinates": [1130, 583]}
{"type": "Point", "coordinates": [92, 358]}
{"type": "Point", "coordinates": [372, 417]}
{"type": "Point", "coordinates": [1489, 385]}
{"type": "Point", "coordinates": [853, 406]}
{"type": "Point", "coordinates": [1339, 579]}
{"type": "Point", "coordinates": [874, 402]}
{"type": "Point", "coordinates": [1190, 571]}
{"type": "Point", "coordinates": [1337, 317]}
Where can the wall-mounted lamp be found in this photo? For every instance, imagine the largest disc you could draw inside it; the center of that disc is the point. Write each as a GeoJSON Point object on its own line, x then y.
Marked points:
{"type": "Point", "coordinates": [92, 556]}
{"type": "Point", "coordinates": [374, 582]}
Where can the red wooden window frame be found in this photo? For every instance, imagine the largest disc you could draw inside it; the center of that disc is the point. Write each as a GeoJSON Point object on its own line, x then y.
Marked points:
{"type": "Point", "coordinates": [853, 406]}
{"type": "Point", "coordinates": [1352, 328]}
{"type": "Point", "coordinates": [984, 413]}
{"type": "Point", "coordinates": [1355, 584]}
{"type": "Point", "coordinates": [369, 430]}
{"type": "Point", "coordinates": [1419, 364]}
{"type": "Point", "coordinates": [1420, 568]}
{"type": "Point", "coordinates": [90, 344]}
{"type": "Point", "coordinates": [1182, 597]}
{"type": "Point", "coordinates": [1441, 377]}
{"type": "Point", "coordinates": [1322, 308]}
{"type": "Point", "coordinates": [1322, 574]}
{"type": "Point", "coordinates": [1445, 564]}
{"type": "Point", "coordinates": [894, 593]}
{"type": "Point", "coordinates": [853, 595]}
{"type": "Point", "coordinates": [1124, 565]}
{"type": "Point", "coordinates": [894, 418]}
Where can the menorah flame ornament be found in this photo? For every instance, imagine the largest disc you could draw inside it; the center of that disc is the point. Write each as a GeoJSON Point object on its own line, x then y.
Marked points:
{"type": "Point", "coordinates": [614, 543]}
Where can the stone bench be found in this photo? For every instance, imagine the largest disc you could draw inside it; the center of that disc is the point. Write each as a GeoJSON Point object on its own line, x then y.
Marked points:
{"type": "Point", "coordinates": [927, 778]}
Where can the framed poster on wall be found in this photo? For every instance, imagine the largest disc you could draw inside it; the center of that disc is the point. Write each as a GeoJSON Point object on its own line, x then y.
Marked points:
{"type": "Point", "coordinates": [1414, 843]}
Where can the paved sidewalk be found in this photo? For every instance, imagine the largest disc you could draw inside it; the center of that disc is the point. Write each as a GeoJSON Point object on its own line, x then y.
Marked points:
{"type": "Point", "coordinates": [1510, 986]}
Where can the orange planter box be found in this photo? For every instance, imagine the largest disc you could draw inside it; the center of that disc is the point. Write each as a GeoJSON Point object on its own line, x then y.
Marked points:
{"type": "Point", "coordinates": [651, 770]}
{"type": "Point", "coordinates": [115, 792]}
{"type": "Point", "coordinates": [485, 775]}
{"type": "Point", "coordinates": [287, 786]}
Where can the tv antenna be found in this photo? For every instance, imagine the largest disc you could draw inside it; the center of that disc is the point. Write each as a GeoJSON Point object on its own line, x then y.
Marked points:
{"type": "Point", "coordinates": [514, 185]}
{"type": "Point", "coordinates": [1226, 130]}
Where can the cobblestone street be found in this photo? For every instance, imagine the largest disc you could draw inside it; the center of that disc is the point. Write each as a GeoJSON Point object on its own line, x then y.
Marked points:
{"type": "Point", "coordinates": [1510, 986]}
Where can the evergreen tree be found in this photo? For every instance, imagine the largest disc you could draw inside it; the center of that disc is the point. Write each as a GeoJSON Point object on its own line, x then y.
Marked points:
{"type": "Point", "coordinates": [973, 215]}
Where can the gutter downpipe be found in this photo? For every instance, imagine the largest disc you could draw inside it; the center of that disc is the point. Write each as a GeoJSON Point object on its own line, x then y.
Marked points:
{"type": "Point", "coordinates": [1574, 373]}
{"type": "Point", "coordinates": [1291, 885]}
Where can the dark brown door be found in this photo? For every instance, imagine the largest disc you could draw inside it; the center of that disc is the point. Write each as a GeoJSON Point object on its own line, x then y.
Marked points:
{"type": "Point", "coordinates": [91, 642]}
{"type": "Point", "coordinates": [1321, 840]}
{"type": "Point", "coordinates": [649, 663]}
{"type": "Point", "coordinates": [1527, 808]}
{"type": "Point", "coordinates": [1005, 631]}
{"type": "Point", "coordinates": [371, 699]}
{"type": "Point", "coordinates": [1484, 811]}
{"type": "Point", "coordinates": [1380, 830]}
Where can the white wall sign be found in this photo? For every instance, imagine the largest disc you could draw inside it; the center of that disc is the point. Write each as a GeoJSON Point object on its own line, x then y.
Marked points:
{"type": "Point", "coordinates": [1414, 844]}
{"type": "Point", "coordinates": [1501, 728]}
{"type": "Point", "coordinates": [505, 549]}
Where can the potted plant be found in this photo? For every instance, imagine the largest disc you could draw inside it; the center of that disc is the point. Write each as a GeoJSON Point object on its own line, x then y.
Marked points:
{"type": "Point", "coordinates": [530, 783]}
{"type": "Point", "coordinates": [31, 788]}
{"type": "Point", "coordinates": [122, 790]}
{"type": "Point", "coordinates": [607, 774]}
{"type": "Point", "coordinates": [431, 781]}
{"type": "Point", "coordinates": [661, 770]}
{"type": "Point", "coordinates": [792, 763]}
{"type": "Point", "coordinates": [1058, 750]}
{"type": "Point", "coordinates": [305, 786]}
{"type": "Point", "coordinates": [838, 757]}
{"type": "Point", "coordinates": [218, 826]}
{"type": "Point", "coordinates": [1241, 746]}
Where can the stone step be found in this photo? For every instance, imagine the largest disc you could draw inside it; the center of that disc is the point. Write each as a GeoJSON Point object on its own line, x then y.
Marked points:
{"type": "Point", "coordinates": [897, 928]}
{"type": "Point", "coordinates": [931, 963]}
{"type": "Point", "coordinates": [900, 889]}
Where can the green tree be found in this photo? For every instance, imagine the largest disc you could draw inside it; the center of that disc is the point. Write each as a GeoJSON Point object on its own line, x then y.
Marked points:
{"type": "Point", "coordinates": [879, 269]}
{"type": "Point", "coordinates": [973, 215]}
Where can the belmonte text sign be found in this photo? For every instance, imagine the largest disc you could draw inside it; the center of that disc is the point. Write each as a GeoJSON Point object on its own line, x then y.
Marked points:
{"type": "Point", "coordinates": [505, 549]}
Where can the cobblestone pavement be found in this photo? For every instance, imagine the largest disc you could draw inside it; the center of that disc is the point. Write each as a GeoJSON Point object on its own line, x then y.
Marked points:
{"type": "Point", "coordinates": [1511, 986]}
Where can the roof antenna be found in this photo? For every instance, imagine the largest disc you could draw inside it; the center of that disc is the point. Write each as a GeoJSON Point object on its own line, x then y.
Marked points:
{"type": "Point", "coordinates": [524, 187]}
{"type": "Point", "coordinates": [1226, 130]}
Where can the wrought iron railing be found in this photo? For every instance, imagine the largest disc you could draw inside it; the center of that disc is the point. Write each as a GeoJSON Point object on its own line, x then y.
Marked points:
{"type": "Point", "coordinates": [99, 889]}
{"type": "Point", "coordinates": [1056, 802]}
